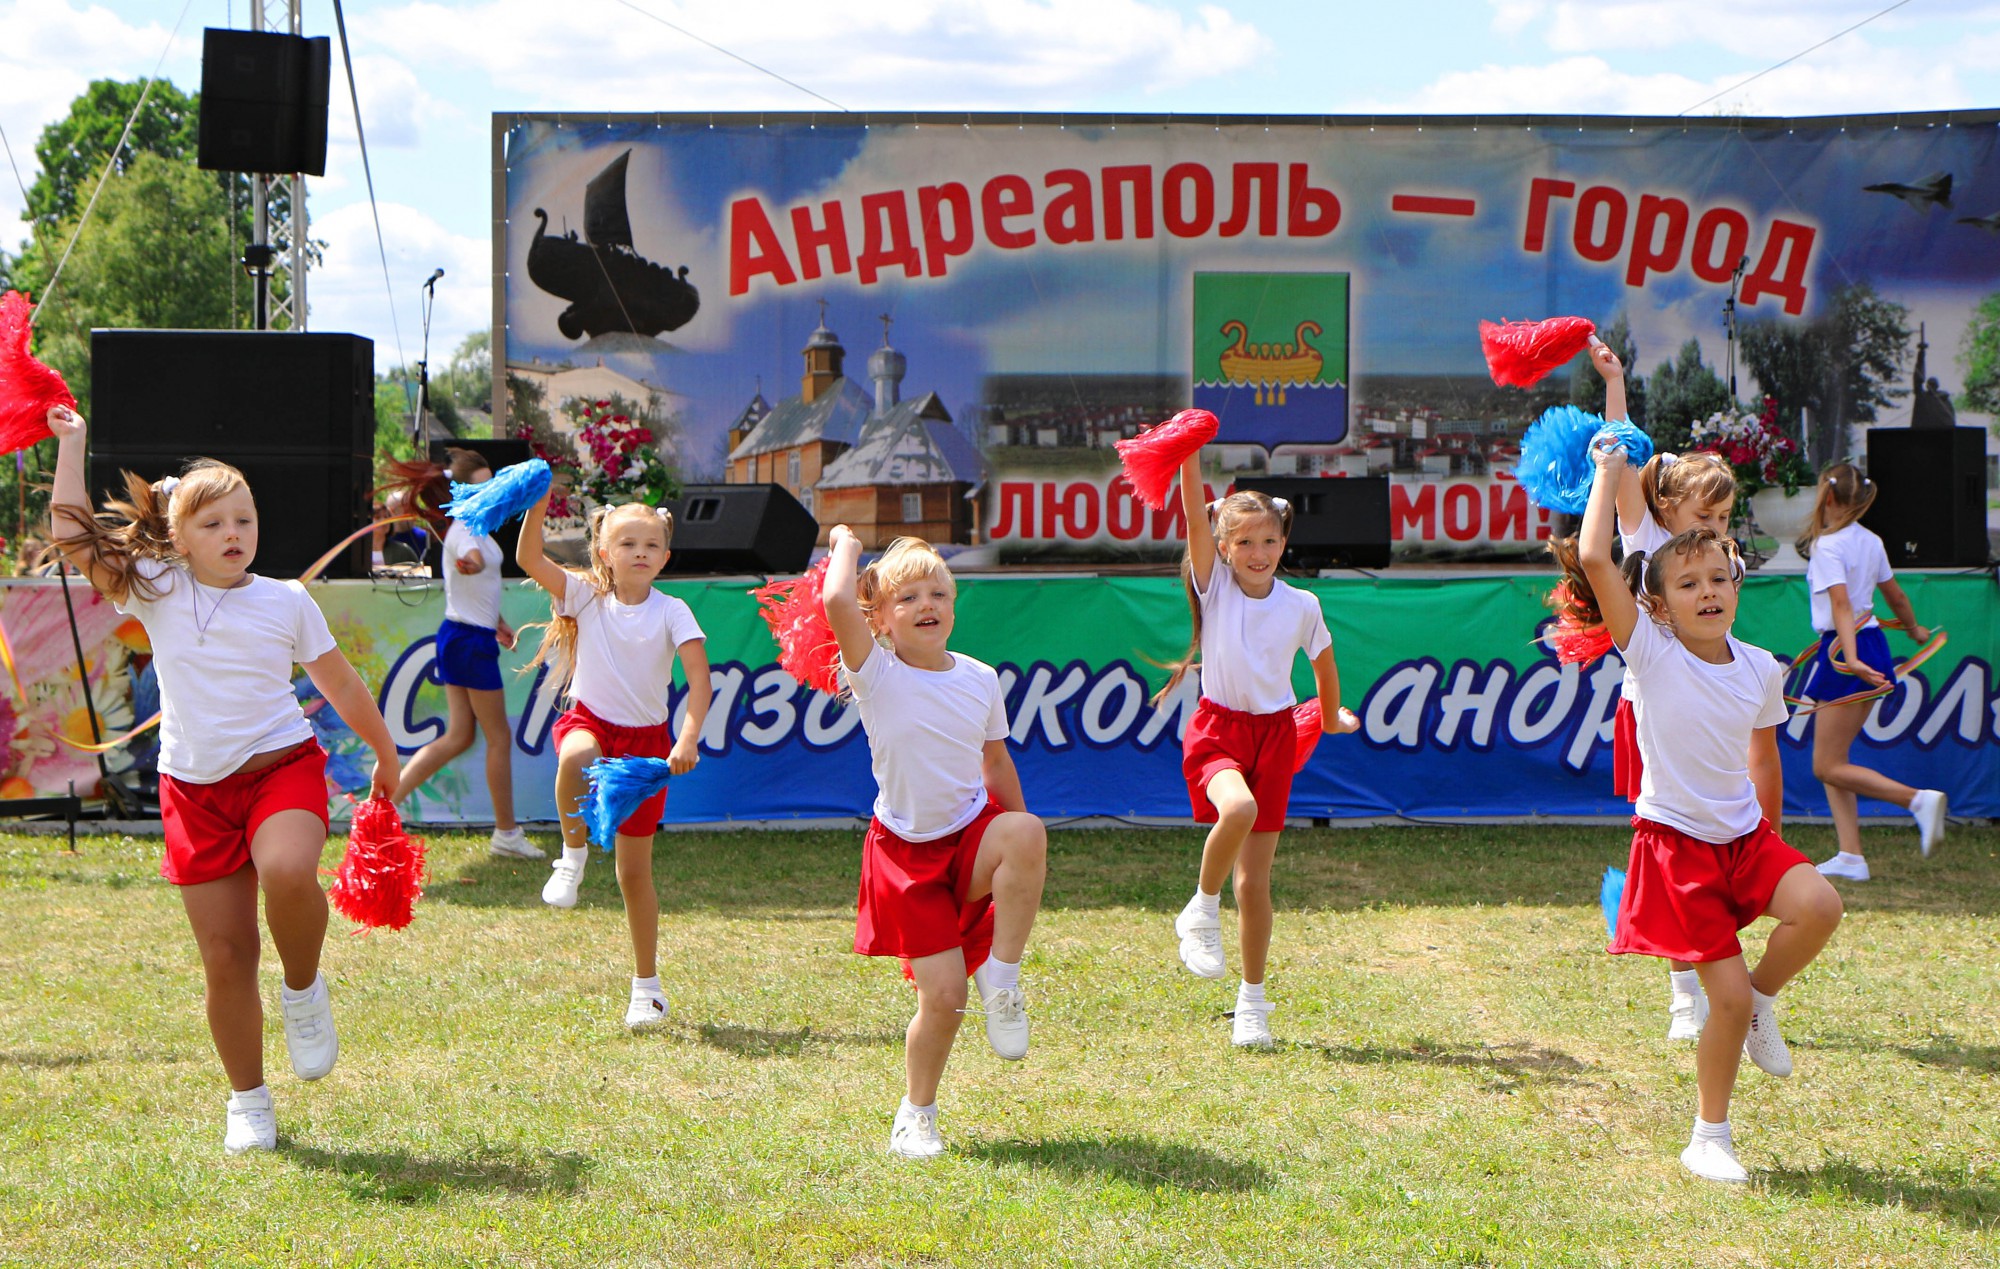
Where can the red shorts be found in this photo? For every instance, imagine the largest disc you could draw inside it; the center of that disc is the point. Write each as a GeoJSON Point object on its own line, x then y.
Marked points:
{"type": "Point", "coordinates": [1627, 767]}
{"type": "Point", "coordinates": [912, 902]}
{"type": "Point", "coordinates": [209, 827]}
{"type": "Point", "coordinates": [615, 741]}
{"type": "Point", "coordinates": [1686, 898]}
{"type": "Point", "coordinates": [1262, 746]}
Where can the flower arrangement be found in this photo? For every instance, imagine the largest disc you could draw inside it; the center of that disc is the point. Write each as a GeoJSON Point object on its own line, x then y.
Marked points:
{"type": "Point", "coordinates": [622, 461]}
{"type": "Point", "coordinates": [1756, 448]}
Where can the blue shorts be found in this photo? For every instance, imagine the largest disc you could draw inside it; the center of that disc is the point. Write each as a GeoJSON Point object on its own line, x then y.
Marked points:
{"type": "Point", "coordinates": [1824, 683]}
{"type": "Point", "coordinates": [468, 656]}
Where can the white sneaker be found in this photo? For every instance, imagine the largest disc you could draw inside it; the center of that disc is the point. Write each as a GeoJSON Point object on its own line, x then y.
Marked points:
{"type": "Point", "coordinates": [252, 1124]}
{"type": "Point", "coordinates": [1843, 866]}
{"type": "Point", "coordinates": [513, 843]}
{"type": "Point", "coordinates": [1714, 1161]}
{"type": "Point", "coordinates": [560, 889]}
{"type": "Point", "coordinates": [1201, 942]}
{"type": "Point", "coordinates": [309, 1035]}
{"type": "Point", "coordinates": [1252, 1027]}
{"type": "Point", "coordinates": [1763, 1044]}
{"type": "Point", "coordinates": [1688, 1012]}
{"type": "Point", "coordinates": [914, 1134]}
{"type": "Point", "coordinates": [1928, 809]}
{"type": "Point", "coordinates": [647, 1008]}
{"type": "Point", "coordinates": [1006, 1017]}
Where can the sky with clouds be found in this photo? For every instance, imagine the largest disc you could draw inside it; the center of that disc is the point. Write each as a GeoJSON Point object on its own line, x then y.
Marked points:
{"type": "Point", "coordinates": [432, 72]}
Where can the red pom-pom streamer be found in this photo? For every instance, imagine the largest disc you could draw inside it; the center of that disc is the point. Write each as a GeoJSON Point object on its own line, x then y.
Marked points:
{"type": "Point", "coordinates": [1520, 353]}
{"type": "Point", "coordinates": [1153, 458]}
{"type": "Point", "coordinates": [382, 875]}
{"type": "Point", "coordinates": [1574, 642]}
{"type": "Point", "coordinates": [28, 389]}
{"type": "Point", "coordinates": [1311, 722]}
{"type": "Point", "coordinates": [796, 614]}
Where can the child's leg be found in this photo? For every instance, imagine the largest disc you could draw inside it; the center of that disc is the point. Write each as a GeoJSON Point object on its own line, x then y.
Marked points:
{"type": "Point", "coordinates": [1235, 814]}
{"type": "Point", "coordinates": [490, 709]}
{"type": "Point", "coordinates": [223, 916]}
{"type": "Point", "coordinates": [1253, 902]}
{"type": "Point", "coordinates": [1834, 730]}
{"type": "Point", "coordinates": [457, 738]}
{"type": "Point", "coordinates": [1808, 909]}
{"type": "Point", "coordinates": [579, 749]}
{"type": "Point", "coordinates": [642, 902]}
{"type": "Point", "coordinates": [940, 981]}
{"type": "Point", "coordinates": [286, 853]}
{"type": "Point", "coordinates": [1721, 1050]}
{"type": "Point", "coordinates": [1011, 866]}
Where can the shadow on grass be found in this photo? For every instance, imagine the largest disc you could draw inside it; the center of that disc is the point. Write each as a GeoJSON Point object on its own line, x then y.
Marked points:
{"type": "Point", "coordinates": [394, 1176]}
{"type": "Point", "coordinates": [1513, 1065]}
{"type": "Point", "coordinates": [1949, 1194]}
{"type": "Point", "coordinates": [752, 1042]}
{"type": "Point", "coordinates": [1134, 1160]}
{"type": "Point", "coordinates": [1946, 1052]}
{"type": "Point", "coordinates": [61, 1060]}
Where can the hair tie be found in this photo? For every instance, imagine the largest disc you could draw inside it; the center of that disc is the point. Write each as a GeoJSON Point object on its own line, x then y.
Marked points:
{"type": "Point", "coordinates": [1214, 506]}
{"type": "Point", "coordinates": [1668, 459]}
{"type": "Point", "coordinates": [1284, 508]}
{"type": "Point", "coordinates": [166, 485]}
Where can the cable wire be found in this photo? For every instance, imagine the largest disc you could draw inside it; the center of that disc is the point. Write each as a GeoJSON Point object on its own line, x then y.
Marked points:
{"type": "Point", "coordinates": [1796, 56]}
{"type": "Point", "coordinates": [738, 57]}
{"type": "Point", "coordinates": [381, 246]}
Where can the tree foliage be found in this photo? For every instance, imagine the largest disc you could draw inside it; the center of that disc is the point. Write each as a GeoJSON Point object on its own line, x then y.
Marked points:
{"type": "Point", "coordinates": [1979, 359]}
{"type": "Point", "coordinates": [72, 150]}
{"type": "Point", "coordinates": [1838, 369]}
{"type": "Point", "coordinates": [1680, 392]}
{"type": "Point", "coordinates": [1587, 386]}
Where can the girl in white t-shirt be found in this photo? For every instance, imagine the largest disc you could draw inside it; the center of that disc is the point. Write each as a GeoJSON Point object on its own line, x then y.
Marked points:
{"type": "Point", "coordinates": [242, 781]}
{"type": "Point", "coordinates": [612, 641]}
{"type": "Point", "coordinates": [1706, 856]}
{"type": "Point", "coordinates": [1239, 751]}
{"type": "Point", "coordinates": [1846, 566]}
{"type": "Point", "coordinates": [468, 646]}
{"type": "Point", "coordinates": [952, 867]}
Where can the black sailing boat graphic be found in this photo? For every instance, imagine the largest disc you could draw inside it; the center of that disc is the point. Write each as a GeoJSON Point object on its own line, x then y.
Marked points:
{"type": "Point", "coordinates": [610, 286]}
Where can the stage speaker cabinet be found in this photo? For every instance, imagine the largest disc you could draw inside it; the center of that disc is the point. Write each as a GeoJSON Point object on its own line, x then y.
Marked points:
{"type": "Point", "coordinates": [1930, 495]}
{"type": "Point", "coordinates": [305, 502]}
{"type": "Point", "coordinates": [1337, 521]}
{"type": "Point", "coordinates": [224, 392]}
{"type": "Point", "coordinates": [759, 529]}
{"type": "Point", "coordinates": [500, 452]}
{"type": "Point", "coordinates": [263, 102]}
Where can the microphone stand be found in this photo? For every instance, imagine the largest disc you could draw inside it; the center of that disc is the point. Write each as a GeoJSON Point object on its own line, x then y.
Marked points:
{"type": "Point", "coordinates": [424, 363]}
{"type": "Point", "coordinates": [1729, 320]}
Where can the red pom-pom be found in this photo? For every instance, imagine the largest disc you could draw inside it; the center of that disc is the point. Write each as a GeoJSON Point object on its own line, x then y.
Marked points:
{"type": "Point", "coordinates": [1311, 722]}
{"type": "Point", "coordinates": [1153, 458]}
{"type": "Point", "coordinates": [1573, 641]}
{"type": "Point", "coordinates": [28, 389]}
{"type": "Point", "coordinates": [796, 614]}
{"type": "Point", "coordinates": [1520, 353]}
{"type": "Point", "coordinates": [382, 875]}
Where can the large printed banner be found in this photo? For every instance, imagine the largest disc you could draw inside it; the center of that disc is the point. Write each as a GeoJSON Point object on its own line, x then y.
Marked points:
{"type": "Point", "coordinates": [1463, 713]}
{"type": "Point", "coordinates": [892, 316]}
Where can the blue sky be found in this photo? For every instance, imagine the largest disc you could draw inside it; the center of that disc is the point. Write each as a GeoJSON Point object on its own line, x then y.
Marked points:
{"type": "Point", "coordinates": [432, 72]}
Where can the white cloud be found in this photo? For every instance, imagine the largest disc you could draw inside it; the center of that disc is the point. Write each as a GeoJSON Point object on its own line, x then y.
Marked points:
{"type": "Point", "coordinates": [1766, 31]}
{"type": "Point", "coordinates": [395, 107]}
{"type": "Point", "coordinates": [349, 294]}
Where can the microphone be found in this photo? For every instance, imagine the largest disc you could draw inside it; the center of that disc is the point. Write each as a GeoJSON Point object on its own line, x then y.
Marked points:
{"type": "Point", "coordinates": [432, 280]}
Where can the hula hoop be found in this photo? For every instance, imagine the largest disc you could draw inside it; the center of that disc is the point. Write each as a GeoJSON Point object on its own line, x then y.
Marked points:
{"type": "Point", "coordinates": [1804, 705]}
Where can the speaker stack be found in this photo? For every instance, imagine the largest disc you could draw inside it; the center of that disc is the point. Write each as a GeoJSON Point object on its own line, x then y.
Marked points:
{"type": "Point", "coordinates": [1337, 521]}
{"type": "Point", "coordinates": [294, 411]}
{"type": "Point", "coordinates": [758, 529]}
{"type": "Point", "coordinates": [1930, 495]}
{"type": "Point", "coordinates": [263, 102]}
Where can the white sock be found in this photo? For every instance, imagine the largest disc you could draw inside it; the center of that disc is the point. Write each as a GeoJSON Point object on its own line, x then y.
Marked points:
{"type": "Point", "coordinates": [1760, 1002]}
{"type": "Point", "coordinates": [1249, 994]}
{"type": "Point", "coordinates": [1685, 981]}
{"type": "Point", "coordinates": [289, 994]}
{"type": "Point", "coordinates": [645, 984]}
{"type": "Point", "coordinates": [1209, 905]}
{"type": "Point", "coordinates": [1849, 857]}
{"type": "Point", "coordinates": [260, 1094]}
{"type": "Point", "coordinates": [1706, 1131]}
{"type": "Point", "coordinates": [578, 855]}
{"type": "Point", "coordinates": [1001, 973]}
{"type": "Point", "coordinates": [907, 1105]}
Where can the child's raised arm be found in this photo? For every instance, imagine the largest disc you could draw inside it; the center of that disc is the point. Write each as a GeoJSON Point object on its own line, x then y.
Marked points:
{"type": "Point", "coordinates": [840, 598]}
{"type": "Point", "coordinates": [1593, 546]}
{"type": "Point", "coordinates": [69, 504]}
{"type": "Point", "coordinates": [1607, 364]}
{"type": "Point", "coordinates": [534, 561]}
{"type": "Point", "coordinates": [1194, 505]}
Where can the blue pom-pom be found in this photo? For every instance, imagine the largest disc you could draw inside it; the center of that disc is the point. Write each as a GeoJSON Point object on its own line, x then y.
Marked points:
{"type": "Point", "coordinates": [617, 786]}
{"type": "Point", "coordinates": [484, 507]}
{"type": "Point", "coordinates": [1609, 896]}
{"type": "Point", "coordinates": [1555, 465]}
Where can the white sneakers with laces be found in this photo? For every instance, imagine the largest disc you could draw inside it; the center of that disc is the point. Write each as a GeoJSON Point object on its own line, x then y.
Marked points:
{"type": "Point", "coordinates": [647, 1008]}
{"type": "Point", "coordinates": [1844, 866]}
{"type": "Point", "coordinates": [1201, 941]}
{"type": "Point", "coordinates": [1763, 1045]}
{"type": "Point", "coordinates": [1251, 1028]}
{"type": "Point", "coordinates": [1928, 809]}
{"type": "Point", "coordinates": [1714, 1161]}
{"type": "Point", "coordinates": [252, 1124]}
{"type": "Point", "coordinates": [560, 889]}
{"type": "Point", "coordinates": [914, 1135]}
{"type": "Point", "coordinates": [309, 1034]}
{"type": "Point", "coordinates": [513, 843]}
{"type": "Point", "coordinates": [1006, 1016]}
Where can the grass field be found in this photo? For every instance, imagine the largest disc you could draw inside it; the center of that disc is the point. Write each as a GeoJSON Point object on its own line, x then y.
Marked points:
{"type": "Point", "coordinates": [1464, 1077]}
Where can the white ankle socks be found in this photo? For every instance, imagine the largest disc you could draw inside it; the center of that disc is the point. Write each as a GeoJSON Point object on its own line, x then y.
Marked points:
{"type": "Point", "coordinates": [645, 984]}
{"type": "Point", "coordinates": [1209, 905]}
{"type": "Point", "coordinates": [1249, 994]}
{"type": "Point", "coordinates": [1002, 974]}
{"type": "Point", "coordinates": [578, 855]}
{"type": "Point", "coordinates": [1685, 981]}
{"type": "Point", "coordinates": [1706, 1131]}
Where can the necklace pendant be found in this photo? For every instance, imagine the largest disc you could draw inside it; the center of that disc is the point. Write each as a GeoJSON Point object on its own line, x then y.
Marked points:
{"type": "Point", "coordinates": [201, 639]}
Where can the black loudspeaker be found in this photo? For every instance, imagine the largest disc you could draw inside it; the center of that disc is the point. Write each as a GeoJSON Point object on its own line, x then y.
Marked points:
{"type": "Point", "coordinates": [1337, 521]}
{"type": "Point", "coordinates": [500, 452]}
{"type": "Point", "coordinates": [758, 529]}
{"type": "Point", "coordinates": [296, 412]}
{"type": "Point", "coordinates": [1930, 495]}
{"type": "Point", "coordinates": [263, 102]}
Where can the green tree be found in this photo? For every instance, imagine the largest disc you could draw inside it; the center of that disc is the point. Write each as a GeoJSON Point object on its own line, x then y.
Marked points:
{"type": "Point", "coordinates": [392, 419]}
{"type": "Point", "coordinates": [1680, 392]}
{"type": "Point", "coordinates": [1834, 371]}
{"type": "Point", "coordinates": [1586, 386]}
{"type": "Point", "coordinates": [72, 150]}
{"type": "Point", "coordinates": [1979, 358]}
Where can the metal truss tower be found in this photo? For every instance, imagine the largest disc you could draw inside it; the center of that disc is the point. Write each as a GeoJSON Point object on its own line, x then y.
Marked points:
{"type": "Point", "coordinates": [279, 203]}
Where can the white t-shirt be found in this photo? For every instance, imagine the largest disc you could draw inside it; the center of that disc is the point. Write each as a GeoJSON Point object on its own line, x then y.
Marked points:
{"type": "Point", "coordinates": [927, 733]}
{"type": "Point", "coordinates": [224, 660]}
{"type": "Point", "coordinates": [1247, 644]}
{"type": "Point", "coordinates": [1694, 731]}
{"type": "Point", "coordinates": [1852, 557]}
{"type": "Point", "coordinates": [625, 652]}
{"type": "Point", "coordinates": [471, 600]}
